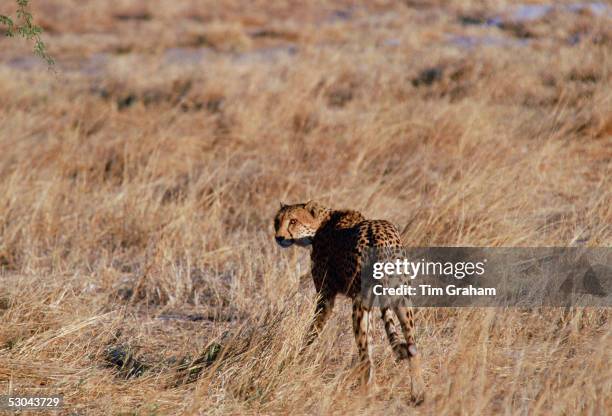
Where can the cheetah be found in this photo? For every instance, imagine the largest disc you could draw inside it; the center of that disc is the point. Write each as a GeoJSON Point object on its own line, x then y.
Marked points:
{"type": "Point", "coordinates": [339, 239]}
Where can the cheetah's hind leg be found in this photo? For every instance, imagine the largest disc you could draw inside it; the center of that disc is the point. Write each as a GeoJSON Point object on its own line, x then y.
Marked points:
{"type": "Point", "coordinates": [362, 328]}
{"type": "Point", "coordinates": [399, 346]}
{"type": "Point", "coordinates": [406, 319]}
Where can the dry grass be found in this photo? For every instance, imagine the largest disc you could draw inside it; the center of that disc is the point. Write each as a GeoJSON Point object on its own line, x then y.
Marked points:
{"type": "Point", "coordinates": [138, 188]}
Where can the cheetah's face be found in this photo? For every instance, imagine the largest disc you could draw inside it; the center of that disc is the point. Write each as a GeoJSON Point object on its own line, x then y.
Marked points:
{"type": "Point", "coordinates": [295, 224]}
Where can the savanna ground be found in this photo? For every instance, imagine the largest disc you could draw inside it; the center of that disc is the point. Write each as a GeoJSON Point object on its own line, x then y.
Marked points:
{"type": "Point", "coordinates": [139, 181]}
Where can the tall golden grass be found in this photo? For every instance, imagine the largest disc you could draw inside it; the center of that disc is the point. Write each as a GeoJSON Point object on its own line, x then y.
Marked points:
{"type": "Point", "coordinates": [139, 184]}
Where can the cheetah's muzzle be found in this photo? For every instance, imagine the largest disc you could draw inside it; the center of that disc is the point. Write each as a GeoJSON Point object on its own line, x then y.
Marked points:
{"type": "Point", "coordinates": [284, 242]}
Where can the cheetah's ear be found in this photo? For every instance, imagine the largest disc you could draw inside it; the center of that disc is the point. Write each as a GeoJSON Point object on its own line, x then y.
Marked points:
{"type": "Point", "coordinates": [282, 205]}
{"type": "Point", "coordinates": [314, 208]}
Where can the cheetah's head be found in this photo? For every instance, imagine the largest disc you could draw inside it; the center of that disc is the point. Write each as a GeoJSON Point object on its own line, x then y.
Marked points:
{"type": "Point", "coordinates": [298, 223]}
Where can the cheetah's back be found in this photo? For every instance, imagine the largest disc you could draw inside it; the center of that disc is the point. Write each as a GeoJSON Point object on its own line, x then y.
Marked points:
{"type": "Point", "coordinates": [340, 246]}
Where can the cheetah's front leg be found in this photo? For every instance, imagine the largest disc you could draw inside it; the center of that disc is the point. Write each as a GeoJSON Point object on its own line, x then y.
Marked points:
{"type": "Point", "coordinates": [325, 305]}
{"type": "Point", "coordinates": [361, 327]}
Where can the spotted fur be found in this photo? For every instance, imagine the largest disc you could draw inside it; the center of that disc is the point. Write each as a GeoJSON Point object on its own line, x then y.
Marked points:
{"type": "Point", "coordinates": [339, 240]}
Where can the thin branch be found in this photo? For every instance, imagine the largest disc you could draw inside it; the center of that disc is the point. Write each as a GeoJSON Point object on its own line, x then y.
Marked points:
{"type": "Point", "coordinates": [27, 29]}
